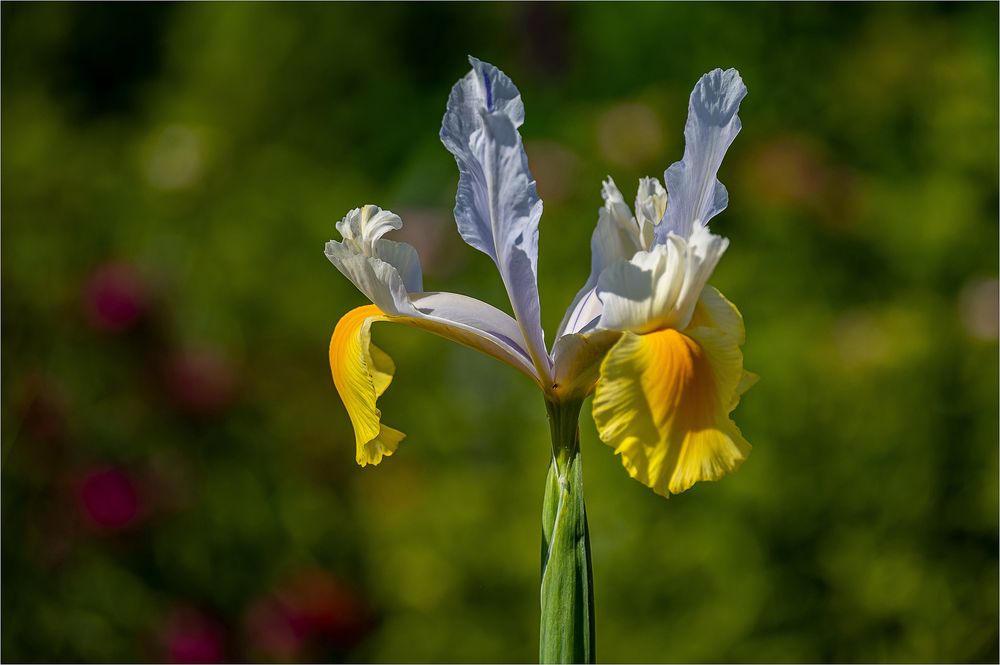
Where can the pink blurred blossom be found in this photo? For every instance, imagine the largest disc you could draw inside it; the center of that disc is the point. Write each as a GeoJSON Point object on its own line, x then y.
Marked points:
{"type": "Point", "coordinates": [200, 381]}
{"type": "Point", "coordinates": [274, 631]}
{"type": "Point", "coordinates": [328, 608]}
{"type": "Point", "coordinates": [311, 608]}
{"type": "Point", "coordinates": [42, 408]}
{"type": "Point", "coordinates": [109, 498]}
{"type": "Point", "coordinates": [791, 171]}
{"type": "Point", "coordinates": [115, 297]}
{"type": "Point", "coordinates": [190, 636]}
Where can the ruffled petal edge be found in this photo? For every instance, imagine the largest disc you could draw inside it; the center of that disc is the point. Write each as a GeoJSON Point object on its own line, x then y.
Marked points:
{"type": "Point", "coordinates": [663, 399]}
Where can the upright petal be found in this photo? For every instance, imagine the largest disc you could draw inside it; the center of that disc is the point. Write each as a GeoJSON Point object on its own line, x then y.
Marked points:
{"type": "Point", "coordinates": [617, 210]}
{"type": "Point", "coordinates": [696, 195]}
{"type": "Point", "coordinates": [616, 238]}
{"type": "Point", "coordinates": [659, 288]}
{"type": "Point", "coordinates": [650, 206]}
{"type": "Point", "coordinates": [663, 400]}
{"type": "Point", "coordinates": [485, 88]}
{"type": "Point", "coordinates": [497, 206]}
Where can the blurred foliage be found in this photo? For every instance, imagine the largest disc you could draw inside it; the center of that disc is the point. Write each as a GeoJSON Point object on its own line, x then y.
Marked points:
{"type": "Point", "coordinates": [178, 472]}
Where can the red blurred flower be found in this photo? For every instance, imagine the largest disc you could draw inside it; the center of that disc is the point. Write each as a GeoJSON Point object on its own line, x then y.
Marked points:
{"type": "Point", "coordinates": [792, 172]}
{"type": "Point", "coordinates": [313, 607]}
{"type": "Point", "coordinates": [273, 631]}
{"type": "Point", "coordinates": [109, 498]}
{"type": "Point", "coordinates": [189, 636]}
{"type": "Point", "coordinates": [327, 607]}
{"type": "Point", "coordinates": [115, 297]}
{"type": "Point", "coordinates": [200, 381]}
{"type": "Point", "coordinates": [42, 409]}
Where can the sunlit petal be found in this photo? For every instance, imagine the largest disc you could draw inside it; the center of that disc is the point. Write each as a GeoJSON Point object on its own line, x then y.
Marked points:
{"type": "Point", "coordinates": [404, 259]}
{"type": "Point", "coordinates": [663, 400]}
{"type": "Point", "coordinates": [576, 362]}
{"type": "Point", "coordinates": [497, 208]}
{"type": "Point", "coordinates": [388, 272]}
{"type": "Point", "coordinates": [616, 238]}
{"type": "Point", "coordinates": [617, 210]}
{"type": "Point", "coordinates": [659, 288]}
{"type": "Point", "coordinates": [696, 195]}
{"type": "Point", "coordinates": [650, 205]}
{"type": "Point", "coordinates": [362, 372]}
{"type": "Point", "coordinates": [716, 312]}
{"type": "Point", "coordinates": [384, 270]}
{"type": "Point", "coordinates": [475, 324]}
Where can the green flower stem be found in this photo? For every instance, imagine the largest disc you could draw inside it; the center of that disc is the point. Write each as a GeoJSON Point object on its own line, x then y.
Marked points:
{"type": "Point", "coordinates": [567, 626]}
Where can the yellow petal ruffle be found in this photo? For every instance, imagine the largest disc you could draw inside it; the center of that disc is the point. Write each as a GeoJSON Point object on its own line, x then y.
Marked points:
{"type": "Point", "coordinates": [663, 399]}
{"type": "Point", "coordinates": [362, 372]}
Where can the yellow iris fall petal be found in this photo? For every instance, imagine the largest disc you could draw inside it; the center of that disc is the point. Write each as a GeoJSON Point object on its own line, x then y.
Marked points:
{"type": "Point", "coordinates": [664, 398]}
{"type": "Point", "coordinates": [362, 372]}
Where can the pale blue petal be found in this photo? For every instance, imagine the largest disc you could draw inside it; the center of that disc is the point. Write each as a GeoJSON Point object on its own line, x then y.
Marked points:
{"type": "Point", "coordinates": [497, 206]}
{"type": "Point", "coordinates": [481, 319]}
{"type": "Point", "coordinates": [484, 90]}
{"type": "Point", "coordinates": [695, 194]}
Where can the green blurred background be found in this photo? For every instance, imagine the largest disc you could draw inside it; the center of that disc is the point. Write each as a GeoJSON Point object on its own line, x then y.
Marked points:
{"type": "Point", "coordinates": [178, 472]}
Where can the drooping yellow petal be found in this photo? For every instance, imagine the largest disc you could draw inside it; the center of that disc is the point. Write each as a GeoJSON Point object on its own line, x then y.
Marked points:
{"type": "Point", "coordinates": [362, 372]}
{"type": "Point", "coordinates": [664, 398]}
{"type": "Point", "coordinates": [715, 311]}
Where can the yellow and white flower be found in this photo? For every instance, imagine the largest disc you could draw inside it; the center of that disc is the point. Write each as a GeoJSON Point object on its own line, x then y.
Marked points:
{"type": "Point", "coordinates": [646, 335]}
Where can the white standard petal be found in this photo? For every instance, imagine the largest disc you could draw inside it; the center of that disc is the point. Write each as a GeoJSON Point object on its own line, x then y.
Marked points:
{"type": "Point", "coordinates": [616, 209]}
{"type": "Point", "coordinates": [363, 226]}
{"type": "Point", "coordinates": [377, 280]}
{"type": "Point", "coordinates": [384, 270]}
{"type": "Point", "coordinates": [403, 257]}
{"type": "Point", "coordinates": [696, 195]}
{"type": "Point", "coordinates": [650, 205]}
{"type": "Point", "coordinates": [497, 208]}
{"type": "Point", "coordinates": [615, 238]}
{"type": "Point", "coordinates": [659, 288]}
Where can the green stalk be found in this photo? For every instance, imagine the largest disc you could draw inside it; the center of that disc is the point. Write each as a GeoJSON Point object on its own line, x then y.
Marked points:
{"type": "Point", "coordinates": [567, 626]}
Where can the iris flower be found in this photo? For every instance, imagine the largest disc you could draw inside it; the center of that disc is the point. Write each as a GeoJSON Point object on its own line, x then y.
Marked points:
{"type": "Point", "coordinates": [657, 347]}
